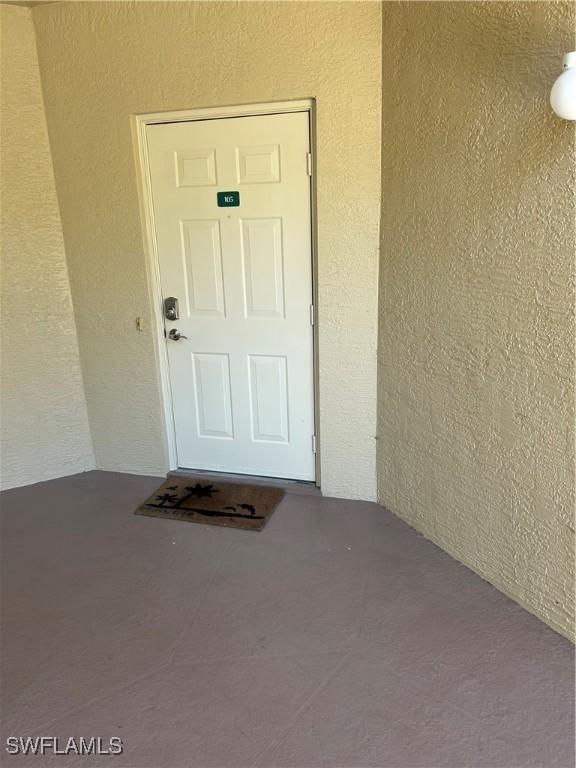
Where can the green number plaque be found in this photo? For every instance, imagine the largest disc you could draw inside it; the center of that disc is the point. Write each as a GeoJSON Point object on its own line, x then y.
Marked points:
{"type": "Point", "coordinates": [228, 199]}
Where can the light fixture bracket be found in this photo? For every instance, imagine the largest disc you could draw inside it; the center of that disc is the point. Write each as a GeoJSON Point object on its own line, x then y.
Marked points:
{"type": "Point", "coordinates": [569, 60]}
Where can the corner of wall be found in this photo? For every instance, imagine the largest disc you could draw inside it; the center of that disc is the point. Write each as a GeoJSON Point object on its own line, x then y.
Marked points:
{"type": "Point", "coordinates": [45, 430]}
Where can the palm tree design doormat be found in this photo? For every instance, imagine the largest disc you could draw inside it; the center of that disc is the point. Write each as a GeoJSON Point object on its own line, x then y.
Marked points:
{"type": "Point", "coordinates": [199, 500]}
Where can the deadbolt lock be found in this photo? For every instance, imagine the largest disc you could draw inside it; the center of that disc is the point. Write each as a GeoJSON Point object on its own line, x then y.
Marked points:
{"type": "Point", "coordinates": [171, 308]}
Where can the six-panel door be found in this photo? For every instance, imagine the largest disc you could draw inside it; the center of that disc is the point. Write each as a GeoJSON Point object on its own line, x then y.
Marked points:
{"type": "Point", "coordinates": [240, 265]}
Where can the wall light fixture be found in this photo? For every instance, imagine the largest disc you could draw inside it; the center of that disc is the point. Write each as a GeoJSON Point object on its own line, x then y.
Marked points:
{"type": "Point", "coordinates": [563, 93]}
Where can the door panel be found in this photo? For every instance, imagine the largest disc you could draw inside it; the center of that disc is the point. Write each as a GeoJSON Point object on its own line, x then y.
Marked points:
{"type": "Point", "coordinates": [258, 165]}
{"type": "Point", "coordinates": [212, 392]}
{"type": "Point", "coordinates": [269, 398]}
{"type": "Point", "coordinates": [262, 259]}
{"type": "Point", "coordinates": [195, 168]}
{"type": "Point", "coordinates": [204, 285]}
{"type": "Point", "coordinates": [242, 379]}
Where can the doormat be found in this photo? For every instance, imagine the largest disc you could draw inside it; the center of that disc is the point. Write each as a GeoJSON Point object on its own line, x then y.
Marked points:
{"type": "Point", "coordinates": [199, 500]}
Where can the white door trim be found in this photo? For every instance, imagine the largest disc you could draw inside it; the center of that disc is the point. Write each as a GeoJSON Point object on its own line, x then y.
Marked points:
{"type": "Point", "coordinates": [138, 126]}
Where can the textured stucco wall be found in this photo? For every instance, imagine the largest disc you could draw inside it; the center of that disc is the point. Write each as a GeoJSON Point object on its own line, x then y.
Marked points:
{"type": "Point", "coordinates": [43, 419]}
{"type": "Point", "coordinates": [476, 365]}
{"type": "Point", "coordinates": [101, 62]}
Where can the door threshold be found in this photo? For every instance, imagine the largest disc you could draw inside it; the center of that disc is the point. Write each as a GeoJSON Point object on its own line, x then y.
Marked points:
{"type": "Point", "coordinates": [292, 486]}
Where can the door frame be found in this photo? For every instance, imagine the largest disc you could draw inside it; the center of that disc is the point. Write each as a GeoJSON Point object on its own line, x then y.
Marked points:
{"type": "Point", "coordinates": [138, 124]}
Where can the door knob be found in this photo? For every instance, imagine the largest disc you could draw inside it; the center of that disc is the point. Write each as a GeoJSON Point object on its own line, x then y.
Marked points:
{"type": "Point", "coordinates": [175, 335]}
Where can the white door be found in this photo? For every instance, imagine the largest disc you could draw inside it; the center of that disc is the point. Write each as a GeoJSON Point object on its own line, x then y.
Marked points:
{"type": "Point", "coordinates": [232, 217]}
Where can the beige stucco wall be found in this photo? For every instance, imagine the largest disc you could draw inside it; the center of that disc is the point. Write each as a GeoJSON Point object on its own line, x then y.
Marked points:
{"type": "Point", "coordinates": [43, 419]}
{"type": "Point", "coordinates": [476, 350]}
{"type": "Point", "coordinates": [102, 62]}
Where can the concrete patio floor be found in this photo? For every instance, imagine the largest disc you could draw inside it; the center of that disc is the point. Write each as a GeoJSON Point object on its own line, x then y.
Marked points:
{"type": "Point", "coordinates": [337, 637]}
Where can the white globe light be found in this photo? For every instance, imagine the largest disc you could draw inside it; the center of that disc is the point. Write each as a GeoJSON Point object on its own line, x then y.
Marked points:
{"type": "Point", "coordinates": [563, 94]}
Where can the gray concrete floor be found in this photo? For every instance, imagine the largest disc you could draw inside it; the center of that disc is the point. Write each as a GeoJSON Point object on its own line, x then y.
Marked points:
{"type": "Point", "coordinates": [336, 637]}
